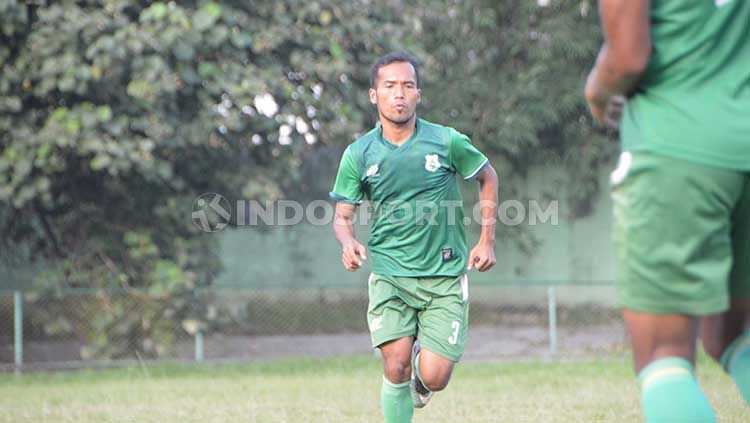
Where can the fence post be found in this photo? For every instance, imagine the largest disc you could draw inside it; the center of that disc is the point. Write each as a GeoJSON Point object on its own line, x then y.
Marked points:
{"type": "Point", "coordinates": [552, 307]}
{"type": "Point", "coordinates": [18, 329]}
{"type": "Point", "coordinates": [198, 333]}
{"type": "Point", "coordinates": [199, 346]}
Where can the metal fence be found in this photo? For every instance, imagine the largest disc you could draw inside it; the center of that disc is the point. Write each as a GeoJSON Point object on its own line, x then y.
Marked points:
{"type": "Point", "coordinates": [80, 328]}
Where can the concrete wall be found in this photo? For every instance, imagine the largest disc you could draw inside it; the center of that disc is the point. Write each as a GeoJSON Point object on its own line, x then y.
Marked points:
{"type": "Point", "coordinates": [574, 250]}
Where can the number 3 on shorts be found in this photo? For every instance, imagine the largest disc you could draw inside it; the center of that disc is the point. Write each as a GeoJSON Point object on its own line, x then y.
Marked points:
{"type": "Point", "coordinates": [453, 339]}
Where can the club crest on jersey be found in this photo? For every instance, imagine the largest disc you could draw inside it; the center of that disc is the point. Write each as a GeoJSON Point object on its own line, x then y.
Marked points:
{"type": "Point", "coordinates": [372, 170]}
{"type": "Point", "coordinates": [431, 162]}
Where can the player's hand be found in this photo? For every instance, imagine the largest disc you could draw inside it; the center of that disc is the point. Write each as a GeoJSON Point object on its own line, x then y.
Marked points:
{"type": "Point", "coordinates": [482, 257]}
{"type": "Point", "coordinates": [607, 111]}
{"type": "Point", "coordinates": [353, 255]}
{"type": "Point", "coordinates": [613, 112]}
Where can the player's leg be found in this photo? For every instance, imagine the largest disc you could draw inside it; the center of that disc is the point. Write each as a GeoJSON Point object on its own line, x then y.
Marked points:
{"type": "Point", "coordinates": [726, 336]}
{"type": "Point", "coordinates": [434, 370]}
{"type": "Point", "coordinates": [673, 248]}
{"type": "Point", "coordinates": [395, 394]}
{"type": "Point", "coordinates": [664, 354]}
{"type": "Point", "coordinates": [397, 359]}
{"type": "Point", "coordinates": [657, 336]}
{"type": "Point", "coordinates": [719, 331]}
{"type": "Point", "coordinates": [393, 324]}
{"type": "Point", "coordinates": [443, 331]}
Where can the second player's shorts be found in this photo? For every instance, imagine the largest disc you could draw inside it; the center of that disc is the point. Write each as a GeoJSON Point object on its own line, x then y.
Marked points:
{"type": "Point", "coordinates": [436, 309]}
{"type": "Point", "coordinates": [682, 235]}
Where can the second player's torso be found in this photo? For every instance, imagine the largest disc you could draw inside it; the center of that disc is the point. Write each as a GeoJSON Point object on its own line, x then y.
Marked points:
{"type": "Point", "coordinates": [693, 102]}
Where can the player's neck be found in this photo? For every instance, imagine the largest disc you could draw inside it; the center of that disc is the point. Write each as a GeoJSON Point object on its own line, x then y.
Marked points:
{"type": "Point", "coordinates": [398, 133]}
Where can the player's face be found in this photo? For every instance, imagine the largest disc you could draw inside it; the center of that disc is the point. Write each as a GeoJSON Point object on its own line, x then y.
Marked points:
{"type": "Point", "coordinates": [395, 93]}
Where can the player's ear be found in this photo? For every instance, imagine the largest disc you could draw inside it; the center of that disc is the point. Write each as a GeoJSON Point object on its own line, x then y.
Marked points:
{"type": "Point", "coordinates": [419, 95]}
{"type": "Point", "coordinates": [373, 96]}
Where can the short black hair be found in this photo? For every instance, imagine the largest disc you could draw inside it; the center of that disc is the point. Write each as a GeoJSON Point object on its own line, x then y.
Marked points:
{"type": "Point", "coordinates": [398, 56]}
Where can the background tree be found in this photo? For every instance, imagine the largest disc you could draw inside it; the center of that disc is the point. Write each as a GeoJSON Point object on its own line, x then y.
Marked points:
{"type": "Point", "coordinates": [116, 114]}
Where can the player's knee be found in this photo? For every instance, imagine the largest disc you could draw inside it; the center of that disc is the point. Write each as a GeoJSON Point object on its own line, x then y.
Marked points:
{"type": "Point", "coordinates": [435, 381]}
{"type": "Point", "coordinates": [397, 371]}
{"type": "Point", "coordinates": [436, 384]}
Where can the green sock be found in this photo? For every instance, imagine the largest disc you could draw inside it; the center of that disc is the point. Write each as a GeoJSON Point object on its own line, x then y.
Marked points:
{"type": "Point", "coordinates": [395, 399]}
{"type": "Point", "coordinates": [670, 393]}
{"type": "Point", "coordinates": [736, 361]}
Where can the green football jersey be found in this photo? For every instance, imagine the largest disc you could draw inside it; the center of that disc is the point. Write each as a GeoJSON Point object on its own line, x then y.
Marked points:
{"type": "Point", "coordinates": [693, 102]}
{"type": "Point", "coordinates": [417, 214]}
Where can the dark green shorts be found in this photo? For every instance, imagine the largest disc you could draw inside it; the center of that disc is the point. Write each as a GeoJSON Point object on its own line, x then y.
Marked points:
{"type": "Point", "coordinates": [682, 235]}
{"type": "Point", "coordinates": [434, 309]}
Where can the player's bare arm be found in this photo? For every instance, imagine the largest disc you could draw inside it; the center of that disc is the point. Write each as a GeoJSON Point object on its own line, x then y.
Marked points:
{"type": "Point", "coordinates": [622, 59]}
{"type": "Point", "coordinates": [353, 253]}
{"type": "Point", "coordinates": [482, 256]}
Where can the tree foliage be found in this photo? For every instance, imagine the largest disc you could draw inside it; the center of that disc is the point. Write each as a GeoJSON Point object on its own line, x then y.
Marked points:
{"type": "Point", "coordinates": [116, 114]}
{"type": "Point", "coordinates": [511, 73]}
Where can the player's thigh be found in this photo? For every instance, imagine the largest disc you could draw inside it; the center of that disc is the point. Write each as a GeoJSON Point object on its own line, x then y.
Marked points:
{"type": "Point", "coordinates": [444, 323]}
{"type": "Point", "coordinates": [390, 315]}
{"type": "Point", "coordinates": [656, 336]}
{"type": "Point", "coordinates": [672, 233]}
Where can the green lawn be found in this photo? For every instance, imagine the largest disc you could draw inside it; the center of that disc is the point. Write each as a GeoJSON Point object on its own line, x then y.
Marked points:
{"type": "Point", "coordinates": [340, 390]}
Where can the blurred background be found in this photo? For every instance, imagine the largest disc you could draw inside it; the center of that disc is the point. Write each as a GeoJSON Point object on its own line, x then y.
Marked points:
{"type": "Point", "coordinates": [121, 119]}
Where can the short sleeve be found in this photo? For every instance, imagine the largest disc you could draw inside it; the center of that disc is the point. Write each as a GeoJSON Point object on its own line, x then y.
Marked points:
{"type": "Point", "coordinates": [347, 187]}
{"type": "Point", "coordinates": [464, 157]}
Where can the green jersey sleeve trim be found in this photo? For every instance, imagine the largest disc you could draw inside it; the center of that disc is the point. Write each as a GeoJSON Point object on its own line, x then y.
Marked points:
{"type": "Point", "coordinates": [479, 169]}
{"type": "Point", "coordinates": [340, 198]}
{"type": "Point", "coordinates": [347, 187]}
{"type": "Point", "coordinates": [464, 157]}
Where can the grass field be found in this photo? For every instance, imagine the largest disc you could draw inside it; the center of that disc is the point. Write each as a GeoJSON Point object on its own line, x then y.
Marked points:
{"type": "Point", "coordinates": [340, 390]}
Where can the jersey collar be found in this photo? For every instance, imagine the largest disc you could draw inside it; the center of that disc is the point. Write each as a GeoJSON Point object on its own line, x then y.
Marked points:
{"type": "Point", "coordinates": [391, 146]}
